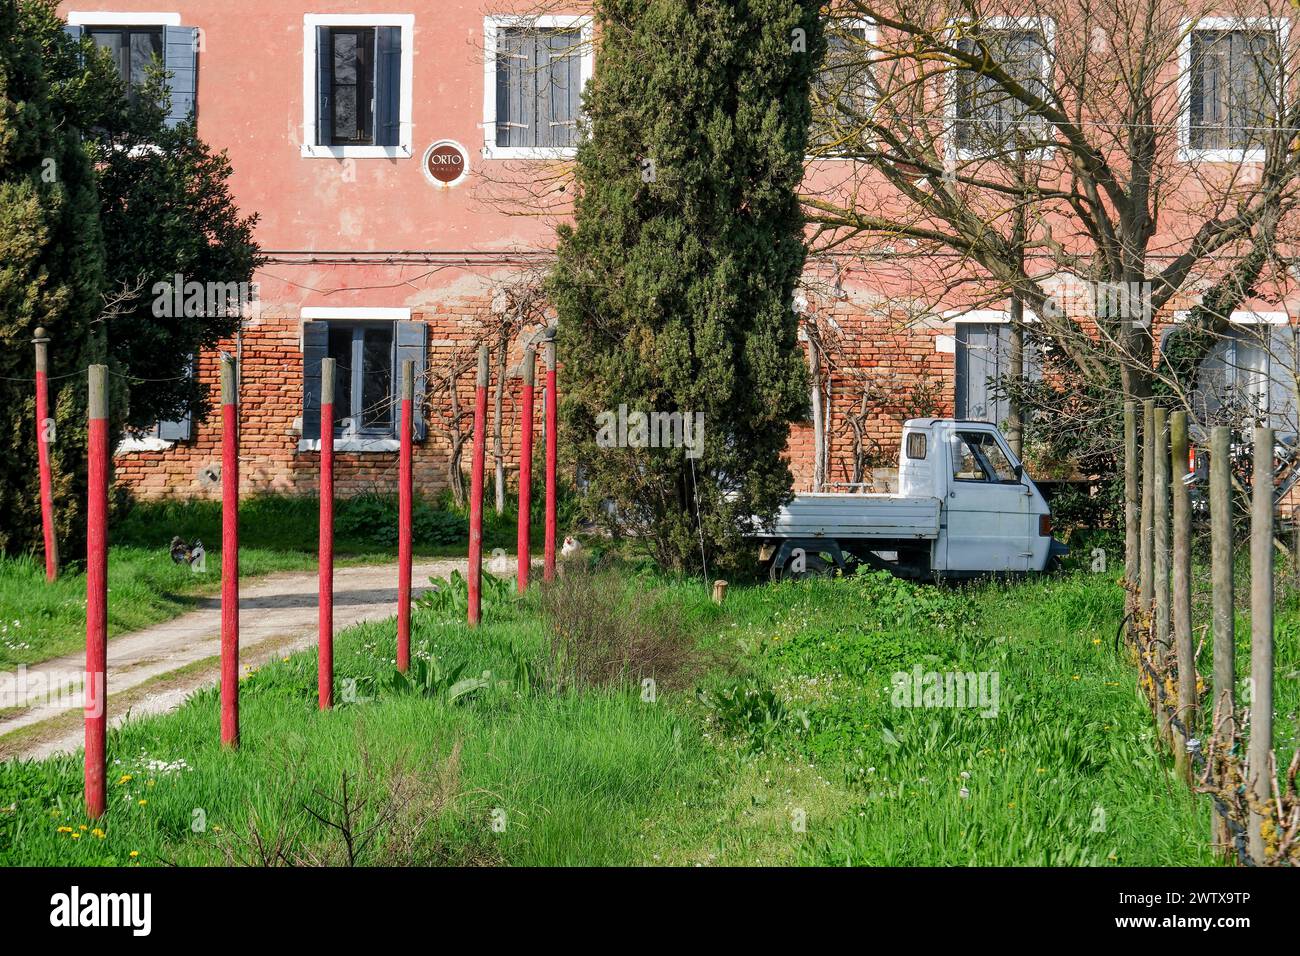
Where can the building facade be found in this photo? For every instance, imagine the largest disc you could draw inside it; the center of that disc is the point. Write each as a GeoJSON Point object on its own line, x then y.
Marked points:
{"type": "Point", "coordinates": [407, 164]}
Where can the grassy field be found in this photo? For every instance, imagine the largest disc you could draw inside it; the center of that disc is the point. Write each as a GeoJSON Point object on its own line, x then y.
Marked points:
{"type": "Point", "coordinates": [774, 739]}
{"type": "Point", "coordinates": [277, 533]}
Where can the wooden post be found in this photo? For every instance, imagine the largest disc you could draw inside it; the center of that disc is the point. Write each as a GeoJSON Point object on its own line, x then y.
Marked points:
{"type": "Point", "coordinates": [719, 591]}
{"type": "Point", "coordinates": [1160, 539]}
{"type": "Point", "coordinates": [1259, 771]}
{"type": "Point", "coordinates": [1131, 510]}
{"type": "Point", "coordinates": [229, 555]}
{"type": "Point", "coordinates": [476, 490]}
{"type": "Point", "coordinates": [1224, 721]}
{"type": "Point", "coordinates": [1146, 547]}
{"type": "Point", "coordinates": [405, 491]}
{"type": "Point", "coordinates": [1182, 603]}
{"type": "Point", "coordinates": [325, 541]}
{"type": "Point", "coordinates": [1295, 548]}
{"type": "Point", "coordinates": [44, 432]}
{"type": "Point", "coordinates": [523, 542]}
{"type": "Point", "coordinates": [95, 688]}
{"type": "Point", "coordinates": [552, 435]}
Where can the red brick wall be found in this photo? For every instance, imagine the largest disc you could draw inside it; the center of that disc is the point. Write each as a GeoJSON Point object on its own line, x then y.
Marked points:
{"type": "Point", "coordinates": [271, 397]}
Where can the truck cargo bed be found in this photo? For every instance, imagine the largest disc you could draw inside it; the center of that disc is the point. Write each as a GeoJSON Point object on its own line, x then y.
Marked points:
{"type": "Point", "coordinates": [850, 516]}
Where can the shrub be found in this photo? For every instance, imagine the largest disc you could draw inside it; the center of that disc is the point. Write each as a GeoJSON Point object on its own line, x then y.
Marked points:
{"type": "Point", "coordinates": [373, 518]}
{"type": "Point", "coordinates": [603, 631]}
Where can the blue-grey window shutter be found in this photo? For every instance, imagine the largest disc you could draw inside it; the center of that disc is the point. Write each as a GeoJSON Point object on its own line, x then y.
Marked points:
{"type": "Point", "coordinates": [977, 362]}
{"type": "Point", "coordinates": [564, 93]}
{"type": "Point", "coordinates": [413, 346]}
{"type": "Point", "coordinates": [181, 60]}
{"type": "Point", "coordinates": [315, 347]}
{"type": "Point", "coordinates": [181, 428]}
{"type": "Point", "coordinates": [1282, 404]}
{"type": "Point", "coordinates": [516, 88]}
{"type": "Point", "coordinates": [388, 86]}
{"type": "Point", "coordinates": [74, 33]}
{"type": "Point", "coordinates": [324, 93]}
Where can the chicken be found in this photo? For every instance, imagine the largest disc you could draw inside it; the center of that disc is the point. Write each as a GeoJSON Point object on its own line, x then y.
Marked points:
{"type": "Point", "coordinates": [183, 553]}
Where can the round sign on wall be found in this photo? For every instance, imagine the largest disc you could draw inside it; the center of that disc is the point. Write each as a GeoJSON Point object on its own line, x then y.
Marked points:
{"type": "Point", "coordinates": [446, 163]}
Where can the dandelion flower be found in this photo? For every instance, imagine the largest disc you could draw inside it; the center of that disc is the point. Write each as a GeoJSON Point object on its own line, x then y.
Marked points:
{"type": "Point", "coordinates": [126, 778]}
{"type": "Point", "coordinates": [65, 829]}
{"type": "Point", "coordinates": [76, 836]}
{"type": "Point", "coordinates": [134, 854]}
{"type": "Point", "coordinates": [142, 802]}
{"type": "Point", "coordinates": [97, 832]}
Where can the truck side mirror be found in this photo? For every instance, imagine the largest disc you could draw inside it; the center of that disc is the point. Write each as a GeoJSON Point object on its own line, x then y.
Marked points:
{"type": "Point", "coordinates": [1020, 472]}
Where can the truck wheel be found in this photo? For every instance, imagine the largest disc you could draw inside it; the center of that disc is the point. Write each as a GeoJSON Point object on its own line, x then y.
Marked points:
{"type": "Point", "coordinates": [815, 566]}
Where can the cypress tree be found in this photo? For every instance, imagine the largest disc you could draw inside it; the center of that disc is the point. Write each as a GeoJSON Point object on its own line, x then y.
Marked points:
{"type": "Point", "coordinates": [674, 285]}
{"type": "Point", "coordinates": [51, 275]}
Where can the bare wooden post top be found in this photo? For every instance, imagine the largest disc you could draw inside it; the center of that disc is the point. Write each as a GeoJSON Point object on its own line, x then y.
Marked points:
{"type": "Point", "coordinates": [228, 390]}
{"type": "Point", "coordinates": [530, 365]}
{"type": "Point", "coordinates": [41, 340]}
{"type": "Point", "coordinates": [550, 355]}
{"type": "Point", "coordinates": [408, 380]}
{"type": "Point", "coordinates": [327, 381]}
{"type": "Point", "coordinates": [98, 380]}
{"type": "Point", "coordinates": [482, 380]}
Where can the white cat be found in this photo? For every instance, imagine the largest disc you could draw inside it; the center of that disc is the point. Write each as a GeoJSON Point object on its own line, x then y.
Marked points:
{"type": "Point", "coordinates": [570, 547]}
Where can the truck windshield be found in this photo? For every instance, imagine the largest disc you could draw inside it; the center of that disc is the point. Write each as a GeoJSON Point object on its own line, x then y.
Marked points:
{"type": "Point", "coordinates": [976, 456]}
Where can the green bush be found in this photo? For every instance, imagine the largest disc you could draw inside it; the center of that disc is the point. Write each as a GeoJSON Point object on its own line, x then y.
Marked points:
{"type": "Point", "coordinates": [373, 518]}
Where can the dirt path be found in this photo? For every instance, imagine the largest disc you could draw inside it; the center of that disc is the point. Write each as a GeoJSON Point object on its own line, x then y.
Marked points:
{"type": "Point", "coordinates": [156, 669]}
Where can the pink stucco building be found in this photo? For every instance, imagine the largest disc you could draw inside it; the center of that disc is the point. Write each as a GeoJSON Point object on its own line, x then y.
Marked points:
{"type": "Point", "coordinates": [407, 161]}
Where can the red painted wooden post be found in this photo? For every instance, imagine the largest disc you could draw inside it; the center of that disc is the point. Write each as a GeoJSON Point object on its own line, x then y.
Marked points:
{"type": "Point", "coordinates": [552, 416]}
{"type": "Point", "coordinates": [95, 689]}
{"type": "Point", "coordinates": [476, 489]}
{"type": "Point", "coordinates": [404, 531]}
{"type": "Point", "coordinates": [523, 543]}
{"type": "Point", "coordinates": [229, 555]}
{"type": "Point", "coordinates": [325, 659]}
{"type": "Point", "coordinates": [44, 426]}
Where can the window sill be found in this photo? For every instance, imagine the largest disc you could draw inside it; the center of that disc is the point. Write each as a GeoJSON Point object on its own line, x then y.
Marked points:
{"type": "Point", "coordinates": [1189, 155]}
{"type": "Point", "coordinates": [371, 445]}
{"type": "Point", "coordinates": [962, 155]}
{"type": "Point", "coordinates": [131, 444]}
{"type": "Point", "coordinates": [529, 152]}
{"type": "Point", "coordinates": [310, 151]}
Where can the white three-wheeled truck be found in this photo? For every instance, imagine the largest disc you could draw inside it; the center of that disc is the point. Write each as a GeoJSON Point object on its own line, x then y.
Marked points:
{"type": "Point", "coordinates": [965, 507]}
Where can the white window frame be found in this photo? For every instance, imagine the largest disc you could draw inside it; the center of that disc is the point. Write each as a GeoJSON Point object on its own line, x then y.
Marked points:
{"type": "Point", "coordinates": [358, 314]}
{"type": "Point", "coordinates": [1281, 28]}
{"type": "Point", "coordinates": [1243, 317]}
{"type": "Point", "coordinates": [871, 33]}
{"type": "Point", "coordinates": [987, 316]}
{"type": "Point", "coordinates": [1048, 27]}
{"type": "Point", "coordinates": [405, 137]}
{"type": "Point", "coordinates": [491, 25]}
{"type": "Point", "coordinates": [98, 18]}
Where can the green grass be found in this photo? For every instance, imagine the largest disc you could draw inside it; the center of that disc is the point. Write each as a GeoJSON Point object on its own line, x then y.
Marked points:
{"type": "Point", "coordinates": [788, 750]}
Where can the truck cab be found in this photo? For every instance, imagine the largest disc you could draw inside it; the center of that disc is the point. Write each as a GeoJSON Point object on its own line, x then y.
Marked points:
{"type": "Point", "coordinates": [994, 517]}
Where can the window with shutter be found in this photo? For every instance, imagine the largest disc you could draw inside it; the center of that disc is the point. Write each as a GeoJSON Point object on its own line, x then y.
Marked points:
{"type": "Point", "coordinates": [841, 89]}
{"type": "Point", "coordinates": [1231, 79]}
{"type": "Point", "coordinates": [368, 358]}
{"type": "Point", "coordinates": [1249, 377]}
{"type": "Point", "coordinates": [983, 358]}
{"type": "Point", "coordinates": [536, 68]}
{"type": "Point", "coordinates": [357, 85]}
{"type": "Point", "coordinates": [986, 121]}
